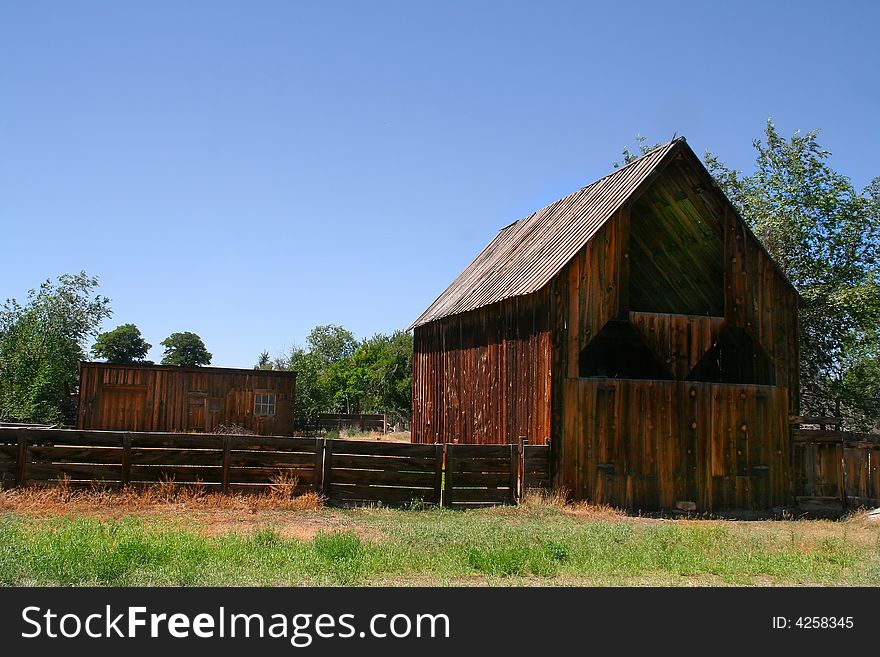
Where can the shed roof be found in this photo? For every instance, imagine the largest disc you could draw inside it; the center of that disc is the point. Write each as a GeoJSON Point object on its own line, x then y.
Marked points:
{"type": "Point", "coordinates": [528, 253]}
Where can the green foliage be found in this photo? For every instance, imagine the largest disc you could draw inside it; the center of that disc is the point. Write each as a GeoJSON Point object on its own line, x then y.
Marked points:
{"type": "Point", "coordinates": [263, 362]}
{"type": "Point", "coordinates": [331, 343]}
{"type": "Point", "coordinates": [311, 392]}
{"type": "Point", "coordinates": [336, 373]}
{"type": "Point", "coordinates": [41, 344]}
{"type": "Point", "coordinates": [185, 349]}
{"type": "Point", "coordinates": [124, 344]}
{"type": "Point", "coordinates": [825, 236]}
{"type": "Point", "coordinates": [642, 148]}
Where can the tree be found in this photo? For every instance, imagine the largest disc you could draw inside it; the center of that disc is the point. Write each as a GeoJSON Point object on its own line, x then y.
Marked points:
{"type": "Point", "coordinates": [336, 373]}
{"type": "Point", "coordinates": [331, 343]}
{"type": "Point", "coordinates": [825, 236]}
{"type": "Point", "coordinates": [388, 360]}
{"type": "Point", "coordinates": [311, 390]}
{"type": "Point", "coordinates": [124, 344]}
{"type": "Point", "coordinates": [41, 344]}
{"type": "Point", "coordinates": [263, 362]}
{"type": "Point", "coordinates": [185, 349]}
{"type": "Point", "coordinates": [642, 148]}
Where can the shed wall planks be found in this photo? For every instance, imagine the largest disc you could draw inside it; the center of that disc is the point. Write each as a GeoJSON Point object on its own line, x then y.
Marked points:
{"type": "Point", "coordinates": [484, 376]}
{"type": "Point", "coordinates": [119, 397]}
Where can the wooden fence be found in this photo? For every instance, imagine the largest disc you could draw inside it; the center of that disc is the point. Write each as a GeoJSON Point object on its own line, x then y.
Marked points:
{"type": "Point", "coordinates": [362, 472]}
{"type": "Point", "coordinates": [347, 472]}
{"type": "Point", "coordinates": [481, 475]}
{"type": "Point", "coordinates": [834, 470]}
{"type": "Point", "coordinates": [115, 459]}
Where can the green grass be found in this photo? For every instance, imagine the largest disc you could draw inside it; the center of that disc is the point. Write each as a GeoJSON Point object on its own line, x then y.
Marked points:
{"type": "Point", "coordinates": [542, 545]}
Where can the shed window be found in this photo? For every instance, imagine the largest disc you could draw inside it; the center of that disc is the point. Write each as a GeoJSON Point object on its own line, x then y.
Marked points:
{"type": "Point", "coordinates": [264, 404]}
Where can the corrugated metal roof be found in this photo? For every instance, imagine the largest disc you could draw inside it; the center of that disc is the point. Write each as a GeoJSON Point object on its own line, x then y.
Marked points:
{"type": "Point", "coordinates": [527, 254]}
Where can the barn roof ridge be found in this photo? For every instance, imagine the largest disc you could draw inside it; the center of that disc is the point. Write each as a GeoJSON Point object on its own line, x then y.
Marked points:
{"type": "Point", "coordinates": [511, 264]}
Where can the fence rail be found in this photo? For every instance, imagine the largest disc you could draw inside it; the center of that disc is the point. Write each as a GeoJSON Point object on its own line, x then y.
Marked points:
{"type": "Point", "coordinates": [347, 472]}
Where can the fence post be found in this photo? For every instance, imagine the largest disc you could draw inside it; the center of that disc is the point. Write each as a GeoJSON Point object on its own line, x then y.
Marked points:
{"type": "Point", "coordinates": [319, 464]}
{"type": "Point", "coordinates": [438, 472]}
{"type": "Point", "coordinates": [125, 475]}
{"type": "Point", "coordinates": [448, 454]}
{"type": "Point", "coordinates": [328, 458]}
{"type": "Point", "coordinates": [514, 472]}
{"type": "Point", "coordinates": [21, 459]}
{"type": "Point", "coordinates": [521, 481]}
{"type": "Point", "coordinates": [224, 486]}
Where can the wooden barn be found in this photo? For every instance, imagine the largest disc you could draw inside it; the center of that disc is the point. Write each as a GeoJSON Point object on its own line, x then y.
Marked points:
{"type": "Point", "coordinates": [184, 399]}
{"type": "Point", "coordinates": [639, 328]}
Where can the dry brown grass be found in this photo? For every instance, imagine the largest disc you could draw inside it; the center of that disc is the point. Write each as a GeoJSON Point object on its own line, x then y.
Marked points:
{"type": "Point", "coordinates": [164, 496]}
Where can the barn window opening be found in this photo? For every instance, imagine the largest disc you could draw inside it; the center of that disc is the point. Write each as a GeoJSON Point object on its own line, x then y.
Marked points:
{"type": "Point", "coordinates": [676, 254]}
{"type": "Point", "coordinates": [264, 404]}
{"type": "Point", "coordinates": [619, 352]}
{"type": "Point", "coordinates": [736, 357]}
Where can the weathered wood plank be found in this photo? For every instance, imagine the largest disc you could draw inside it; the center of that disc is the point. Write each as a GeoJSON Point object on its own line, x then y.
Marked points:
{"type": "Point", "coordinates": [492, 479]}
{"type": "Point", "coordinates": [111, 455]}
{"type": "Point", "coordinates": [376, 448]}
{"type": "Point", "coordinates": [267, 475]}
{"type": "Point", "coordinates": [176, 441]}
{"type": "Point", "coordinates": [178, 473]}
{"type": "Point", "coordinates": [382, 462]}
{"type": "Point", "coordinates": [157, 456]}
{"type": "Point", "coordinates": [382, 477]}
{"type": "Point", "coordinates": [478, 465]}
{"type": "Point", "coordinates": [274, 443]}
{"type": "Point", "coordinates": [386, 495]}
{"type": "Point", "coordinates": [271, 459]}
{"type": "Point", "coordinates": [478, 451]}
{"type": "Point", "coordinates": [50, 471]}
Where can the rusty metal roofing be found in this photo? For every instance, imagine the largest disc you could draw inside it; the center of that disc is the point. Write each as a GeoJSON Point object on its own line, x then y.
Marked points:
{"type": "Point", "coordinates": [528, 253]}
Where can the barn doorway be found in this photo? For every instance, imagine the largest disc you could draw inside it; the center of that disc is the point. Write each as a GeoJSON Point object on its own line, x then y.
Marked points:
{"type": "Point", "coordinates": [676, 250]}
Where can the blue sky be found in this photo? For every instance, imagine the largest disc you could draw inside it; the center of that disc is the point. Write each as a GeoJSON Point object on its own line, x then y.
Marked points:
{"type": "Point", "coordinates": [248, 170]}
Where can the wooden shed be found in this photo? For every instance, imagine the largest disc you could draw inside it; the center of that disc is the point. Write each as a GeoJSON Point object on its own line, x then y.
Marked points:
{"type": "Point", "coordinates": [185, 399]}
{"type": "Point", "coordinates": [639, 328]}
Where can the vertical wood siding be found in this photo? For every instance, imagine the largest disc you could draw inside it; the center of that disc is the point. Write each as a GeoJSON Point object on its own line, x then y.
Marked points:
{"type": "Point", "coordinates": [483, 377]}
{"type": "Point", "coordinates": [157, 398]}
{"type": "Point", "coordinates": [649, 445]}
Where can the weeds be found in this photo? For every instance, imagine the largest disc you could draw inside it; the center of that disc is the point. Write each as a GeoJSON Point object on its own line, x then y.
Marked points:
{"type": "Point", "coordinates": [262, 540]}
{"type": "Point", "coordinates": [62, 497]}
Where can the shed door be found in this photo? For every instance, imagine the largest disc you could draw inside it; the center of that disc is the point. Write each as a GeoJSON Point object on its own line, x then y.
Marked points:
{"type": "Point", "coordinates": [195, 415]}
{"type": "Point", "coordinates": [123, 408]}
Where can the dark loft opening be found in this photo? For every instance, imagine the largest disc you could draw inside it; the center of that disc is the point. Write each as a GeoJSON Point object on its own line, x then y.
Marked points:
{"type": "Point", "coordinates": [735, 358]}
{"type": "Point", "coordinates": [676, 252]}
{"type": "Point", "coordinates": [619, 352]}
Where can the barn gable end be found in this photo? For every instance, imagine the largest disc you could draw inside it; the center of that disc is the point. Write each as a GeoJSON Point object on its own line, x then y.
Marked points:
{"type": "Point", "coordinates": [640, 328]}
